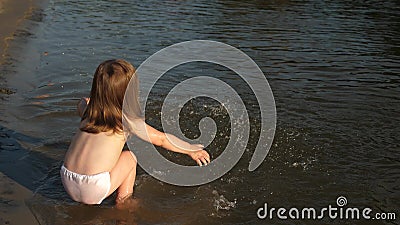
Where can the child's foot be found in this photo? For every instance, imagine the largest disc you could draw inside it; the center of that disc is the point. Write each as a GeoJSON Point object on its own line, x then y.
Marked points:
{"type": "Point", "coordinates": [126, 202]}
{"type": "Point", "coordinates": [120, 200]}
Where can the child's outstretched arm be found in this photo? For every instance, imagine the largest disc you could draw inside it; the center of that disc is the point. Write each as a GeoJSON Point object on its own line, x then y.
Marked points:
{"type": "Point", "coordinates": [171, 142]}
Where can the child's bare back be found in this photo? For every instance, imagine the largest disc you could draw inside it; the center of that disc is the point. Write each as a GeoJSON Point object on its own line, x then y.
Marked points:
{"type": "Point", "coordinates": [93, 153]}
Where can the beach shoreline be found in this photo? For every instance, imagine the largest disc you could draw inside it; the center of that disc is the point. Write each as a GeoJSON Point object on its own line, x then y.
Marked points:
{"type": "Point", "coordinates": [13, 207]}
{"type": "Point", "coordinates": [13, 16]}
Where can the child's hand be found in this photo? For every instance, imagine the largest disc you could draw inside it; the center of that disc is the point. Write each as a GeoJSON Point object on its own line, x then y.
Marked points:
{"type": "Point", "coordinates": [82, 105]}
{"type": "Point", "coordinates": [83, 102]}
{"type": "Point", "coordinates": [200, 156]}
{"type": "Point", "coordinates": [86, 100]}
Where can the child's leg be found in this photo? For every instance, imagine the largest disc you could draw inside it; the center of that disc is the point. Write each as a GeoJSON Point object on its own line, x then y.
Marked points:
{"type": "Point", "coordinates": [126, 188]}
{"type": "Point", "coordinates": [123, 175]}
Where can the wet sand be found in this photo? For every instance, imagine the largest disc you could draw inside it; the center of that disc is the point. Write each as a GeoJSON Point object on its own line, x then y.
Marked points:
{"type": "Point", "coordinates": [12, 15]}
{"type": "Point", "coordinates": [13, 209]}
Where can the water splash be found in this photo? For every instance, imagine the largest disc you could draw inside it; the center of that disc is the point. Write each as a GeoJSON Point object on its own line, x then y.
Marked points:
{"type": "Point", "coordinates": [222, 203]}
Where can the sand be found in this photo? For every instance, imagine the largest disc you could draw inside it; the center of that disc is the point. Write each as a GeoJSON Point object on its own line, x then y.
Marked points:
{"type": "Point", "coordinates": [13, 209]}
{"type": "Point", "coordinates": [12, 14]}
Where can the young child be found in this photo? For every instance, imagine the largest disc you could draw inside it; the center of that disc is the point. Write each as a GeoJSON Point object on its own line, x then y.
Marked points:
{"type": "Point", "coordinates": [95, 164]}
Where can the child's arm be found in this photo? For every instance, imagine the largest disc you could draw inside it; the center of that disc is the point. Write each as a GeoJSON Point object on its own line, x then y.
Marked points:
{"type": "Point", "coordinates": [170, 142]}
{"type": "Point", "coordinates": [82, 106]}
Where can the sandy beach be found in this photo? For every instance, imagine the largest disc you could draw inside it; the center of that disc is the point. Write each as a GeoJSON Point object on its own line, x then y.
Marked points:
{"type": "Point", "coordinates": [13, 13]}
{"type": "Point", "coordinates": [12, 203]}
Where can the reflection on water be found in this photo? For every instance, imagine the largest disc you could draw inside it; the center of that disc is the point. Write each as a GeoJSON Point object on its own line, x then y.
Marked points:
{"type": "Point", "coordinates": [333, 67]}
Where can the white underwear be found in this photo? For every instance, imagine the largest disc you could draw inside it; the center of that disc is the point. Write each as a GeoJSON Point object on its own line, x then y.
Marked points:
{"type": "Point", "coordinates": [88, 189]}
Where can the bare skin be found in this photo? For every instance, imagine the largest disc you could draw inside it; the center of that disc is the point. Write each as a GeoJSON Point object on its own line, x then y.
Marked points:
{"type": "Point", "coordinates": [91, 154]}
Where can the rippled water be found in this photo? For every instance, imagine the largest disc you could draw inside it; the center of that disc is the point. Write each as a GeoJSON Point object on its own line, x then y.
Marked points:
{"type": "Point", "coordinates": [333, 67]}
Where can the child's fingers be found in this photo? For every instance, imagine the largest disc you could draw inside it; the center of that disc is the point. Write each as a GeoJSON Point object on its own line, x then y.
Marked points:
{"type": "Point", "coordinates": [204, 161]}
{"type": "Point", "coordinates": [208, 159]}
{"type": "Point", "coordinates": [198, 162]}
{"type": "Point", "coordinates": [206, 156]}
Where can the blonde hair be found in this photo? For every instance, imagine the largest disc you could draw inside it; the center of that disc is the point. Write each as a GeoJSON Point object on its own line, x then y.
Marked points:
{"type": "Point", "coordinates": [104, 111]}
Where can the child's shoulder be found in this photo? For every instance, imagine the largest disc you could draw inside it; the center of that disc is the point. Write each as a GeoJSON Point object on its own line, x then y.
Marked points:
{"type": "Point", "coordinates": [114, 136]}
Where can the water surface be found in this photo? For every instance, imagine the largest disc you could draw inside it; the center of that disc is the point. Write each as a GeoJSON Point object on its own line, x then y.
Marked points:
{"type": "Point", "coordinates": [333, 67]}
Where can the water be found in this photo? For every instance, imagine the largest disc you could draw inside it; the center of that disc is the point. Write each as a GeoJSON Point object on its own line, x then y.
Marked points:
{"type": "Point", "coordinates": [333, 67]}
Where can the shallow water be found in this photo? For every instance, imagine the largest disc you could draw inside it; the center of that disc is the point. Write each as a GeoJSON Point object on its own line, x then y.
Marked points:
{"type": "Point", "coordinates": [333, 67]}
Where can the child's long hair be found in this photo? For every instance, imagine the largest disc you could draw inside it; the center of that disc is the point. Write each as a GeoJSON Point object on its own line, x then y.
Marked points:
{"type": "Point", "coordinates": [104, 111]}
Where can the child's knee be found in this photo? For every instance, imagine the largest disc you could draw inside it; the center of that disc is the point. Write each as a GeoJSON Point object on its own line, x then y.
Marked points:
{"type": "Point", "coordinates": [130, 155]}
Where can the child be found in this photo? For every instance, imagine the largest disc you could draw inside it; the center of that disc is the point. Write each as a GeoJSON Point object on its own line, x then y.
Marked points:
{"type": "Point", "coordinates": [95, 164]}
